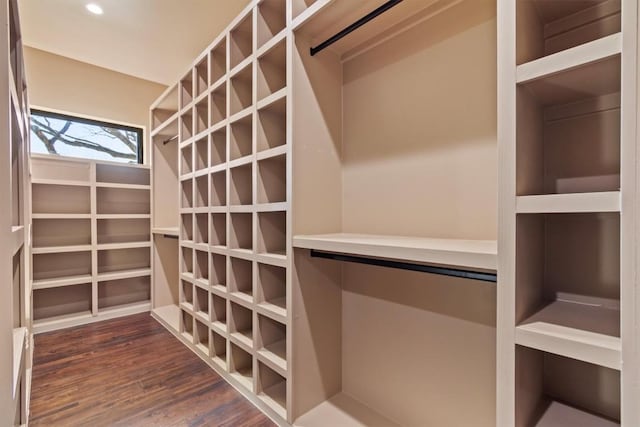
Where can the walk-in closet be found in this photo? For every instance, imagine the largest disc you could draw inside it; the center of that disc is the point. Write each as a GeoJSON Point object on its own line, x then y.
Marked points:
{"type": "Point", "coordinates": [319, 213]}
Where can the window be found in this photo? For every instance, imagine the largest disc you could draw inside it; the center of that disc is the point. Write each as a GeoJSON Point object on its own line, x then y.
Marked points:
{"type": "Point", "coordinates": [63, 135]}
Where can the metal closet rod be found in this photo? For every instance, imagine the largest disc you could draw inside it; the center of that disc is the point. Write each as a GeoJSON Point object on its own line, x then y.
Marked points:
{"type": "Point", "coordinates": [166, 141]}
{"type": "Point", "coordinates": [351, 28]}
{"type": "Point", "coordinates": [170, 236]}
{"type": "Point", "coordinates": [442, 271]}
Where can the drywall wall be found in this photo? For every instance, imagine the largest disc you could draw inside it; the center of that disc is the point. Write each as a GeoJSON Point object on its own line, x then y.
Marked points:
{"type": "Point", "coordinates": [67, 85]}
{"type": "Point", "coordinates": [420, 159]}
{"type": "Point", "coordinates": [420, 130]}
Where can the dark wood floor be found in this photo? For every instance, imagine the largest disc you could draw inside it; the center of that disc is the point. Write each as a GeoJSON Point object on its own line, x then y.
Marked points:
{"type": "Point", "coordinates": [129, 372]}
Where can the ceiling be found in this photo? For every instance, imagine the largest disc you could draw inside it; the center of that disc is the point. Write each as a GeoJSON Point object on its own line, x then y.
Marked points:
{"type": "Point", "coordinates": [155, 40]}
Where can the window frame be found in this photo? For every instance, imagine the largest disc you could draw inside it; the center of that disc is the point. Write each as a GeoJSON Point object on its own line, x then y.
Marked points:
{"type": "Point", "coordinates": [94, 122]}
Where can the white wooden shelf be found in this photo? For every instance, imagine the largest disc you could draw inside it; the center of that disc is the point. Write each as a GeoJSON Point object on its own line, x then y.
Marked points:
{"type": "Point", "coordinates": [275, 355]}
{"type": "Point", "coordinates": [122, 186]}
{"type": "Point", "coordinates": [64, 182]}
{"type": "Point", "coordinates": [61, 249]}
{"type": "Point", "coordinates": [124, 245]}
{"type": "Point", "coordinates": [62, 281]}
{"type": "Point", "coordinates": [19, 346]}
{"type": "Point", "coordinates": [560, 415]}
{"type": "Point", "coordinates": [585, 332]}
{"type": "Point", "coordinates": [123, 216]}
{"type": "Point", "coordinates": [58, 322]}
{"type": "Point", "coordinates": [17, 235]}
{"type": "Point", "coordinates": [169, 231]}
{"type": "Point", "coordinates": [60, 216]}
{"type": "Point", "coordinates": [608, 201]}
{"type": "Point", "coordinates": [460, 253]}
{"type": "Point", "coordinates": [169, 316]}
{"type": "Point", "coordinates": [124, 309]}
{"type": "Point", "coordinates": [124, 274]}
{"type": "Point", "coordinates": [575, 57]}
{"type": "Point", "coordinates": [344, 411]}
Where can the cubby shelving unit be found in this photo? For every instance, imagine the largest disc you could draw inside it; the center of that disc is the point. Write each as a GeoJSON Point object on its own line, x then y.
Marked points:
{"type": "Point", "coordinates": [567, 328]}
{"type": "Point", "coordinates": [17, 356]}
{"type": "Point", "coordinates": [91, 240]}
{"type": "Point", "coordinates": [217, 207]}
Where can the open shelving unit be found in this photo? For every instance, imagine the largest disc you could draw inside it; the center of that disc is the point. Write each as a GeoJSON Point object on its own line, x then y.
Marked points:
{"type": "Point", "coordinates": [568, 192]}
{"type": "Point", "coordinates": [214, 167]}
{"type": "Point", "coordinates": [91, 255]}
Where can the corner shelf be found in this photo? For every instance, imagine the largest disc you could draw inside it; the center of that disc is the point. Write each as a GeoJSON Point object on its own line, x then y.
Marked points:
{"type": "Point", "coordinates": [480, 254]}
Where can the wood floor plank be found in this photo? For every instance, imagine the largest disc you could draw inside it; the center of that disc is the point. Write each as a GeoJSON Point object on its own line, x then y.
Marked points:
{"type": "Point", "coordinates": [130, 372]}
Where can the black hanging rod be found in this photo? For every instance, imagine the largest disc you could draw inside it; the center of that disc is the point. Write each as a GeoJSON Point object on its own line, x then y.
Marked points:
{"type": "Point", "coordinates": [443, 271]}
{"type": "Point", "coordinates": [169, 236]}
{"type": "Point", "coordinates": [166, 141]}
{"type": "Point", "coordinates": [359, 23]}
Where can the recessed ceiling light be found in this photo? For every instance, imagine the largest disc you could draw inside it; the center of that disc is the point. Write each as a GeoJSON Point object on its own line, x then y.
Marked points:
{"type": "Point", "coordinates": [94, 8]}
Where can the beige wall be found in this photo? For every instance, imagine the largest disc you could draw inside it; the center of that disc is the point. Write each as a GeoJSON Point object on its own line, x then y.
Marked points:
{"type": "Point", "coordinates": [60, 83]}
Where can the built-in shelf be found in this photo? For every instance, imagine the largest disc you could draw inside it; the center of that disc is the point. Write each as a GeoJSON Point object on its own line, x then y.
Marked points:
{"type": "Point", "coordinates": [560, 415]}
{"type": "Point", "coordinates": [586, 332]}
{"type": "Point", "coordinates": [481, 254]}
{"type": "Point", "coordinates": [344, 411]}
{"type": "Point", "coordinates": [124, 274]}
{"type": "Point", "coordinates": [575, 57]}
{"type": "Point", "coordinates": [169, 231]}
{"type": "Point", "coordinates": [606, 201]}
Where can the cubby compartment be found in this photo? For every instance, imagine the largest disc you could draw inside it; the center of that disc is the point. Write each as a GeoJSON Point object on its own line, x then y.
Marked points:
{"type": "Point", "coordinates": [60, 303]}
{"type": "Point", "coordinates": [272, 125]}
{"type": "Point", "coordinates": [568, 138]}
{"type": "Point", "coordinates": [241, 231]}
{"type": "Point", "coordinates": [187, 261]}
{"type": "Point", "coordinates": [123, 201]}
{"type": "Point", "coordinates": [186, 326]}
{"type": "Point", "coordinates": [568, 274]}
{"type": "Point", "coordinates": [123, 293]}
{"type": "Point", "coordinates": [202, 76]}
{"type": "Point", "coordinates": [202, 229]}
{"type": "Point", "coordinates": [272, 70]}
{"type": "Point", "coordinates": [201, 338]}
{"type": "Point", "coordinates": [60, 199]}
{"type": "Point", "coordinates": [60, 232]}
{"type": "Point", "coordinates": [165, 109]}
{"type": "Point", "coordinates": [218, 312]}
{"type": "Point", "coordinates": [61, 265]}
{"type": "Point", "coordinates": [202, 267]}
{"type": "Point", "coordinates": [241, 42]}
{"type": "Point", "coordinates": [115, 174]}
{"type": "Point", "coordinates": [123, 230]}
{"type": "Point", "coordinates": [187, 295]}
{"type": "Point", "coordinates": [547, 27]}
{"type": "Point", "coordinates": [241, 138]}
{"type": "Point", "coordinates": [272, 342]}
{"type": "Point", "coordinates": [241, 324]}
{"type": "Point", "coordinates": [123, 260]}
{"type": "Point", "coordinates": [186, 156]}
{"type": "Point", "coordinates": [218, 61]}
{"type": "Point", "coordinates": [272, 389]}
{"type": "Point", "coordinates": [241, 366]}
{"type": "Point", "coordinates": [201, 303]}
{"type": "Point", "coordinates": [271, 292]}
{"type": "Point", "coordinates": [186, 89]}
{"type": "Point", "coordinates": [186, 190]}
{"type": "Point", "coordinates": [218, 273]}
{"type": "Point", "coordinates": [219, 147]}
{"type": "Point", "coordinates": [272, 18]}
{"type": "Point", "coordinates": [241, 279]}
{"type": "Point", "coordinates": [58, 169]}
{"type": "Point", "coordinates": [219, 188]}
{"type": "Point", "coordinates": [218, 229]}
{"type": "Point", "coordinates": [300, 6]}
{"type": "Point", "coordinates": [241, 185]}
{"type": "Point", "coordinates": [202, 116]}
{"type": "Point", "coordinates": [558, 391]}
{"type": "Point", "coordinates": [186, 125]}
{"type": "Point", "coordinates": [272, 180]}
{"type": "Point", "coordinates": [201, 161]}
{"type": "Point", "coordinates": [241, 96]}
{"type": "Point", "coordinates": [272, 233]}
{"type": "Point", "coordinates": [186, 228]}
{"type": "Point", "coordinates": [202, 191]}
{"type": "Point", "coordinates": [219, 104]}
{"type": "Point", "coordinates": [218, 350]}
